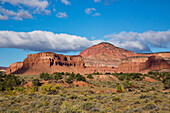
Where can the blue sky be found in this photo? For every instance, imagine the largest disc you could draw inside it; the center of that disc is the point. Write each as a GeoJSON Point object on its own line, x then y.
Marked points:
{"type": "Point", "coordinates": [70, 26]}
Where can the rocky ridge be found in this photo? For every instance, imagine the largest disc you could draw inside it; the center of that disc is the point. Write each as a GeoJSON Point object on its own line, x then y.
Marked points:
{"type": "Point", "coordinates": [103, 57]}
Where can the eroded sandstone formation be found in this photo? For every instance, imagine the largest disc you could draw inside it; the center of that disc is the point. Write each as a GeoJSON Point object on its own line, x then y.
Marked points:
{"type": "Point", "coordinates": [14, 67]}
{"type": "Point", "coordinates": [48, 62]}
{"type": "Point", "coordinates": [102, 58]}
{"type": "Point", "coordinates": [105, 54]}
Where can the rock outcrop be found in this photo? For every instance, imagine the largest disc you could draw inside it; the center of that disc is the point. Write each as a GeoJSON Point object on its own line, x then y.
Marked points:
{"type": "Point", "coordinates": [14, 67]}
{"type": "Point", "coordinates": [105, 54]}
{"type": "Point", "coordinates": [147, 64]}
{"type": "Point", "coordinates": [103, 57]}
{"type": "Point", "coordinates": [48, 62]}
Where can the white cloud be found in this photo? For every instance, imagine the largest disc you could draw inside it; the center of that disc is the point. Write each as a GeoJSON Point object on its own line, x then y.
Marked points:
{"type": "Point", "coordinates": [89, 10]}
{"type": "Point", "coordinates": [44, 41]}
{"type": "Point", "coordinates": [24, 14]}
{"type": "Point", "coordinates": [14, 15]}
{"type": "Point", "coordinates": [96, 14]}
{"type": "Point", "coordinates": [92, 11]}
{"type": "Point", "coordinates": [66, 2]}
{"type": "Point", "coordinates": [140, 42]}
{"type": "Point", "coordinates": [39, 5]}
{"type": "Point", "coordinates": [97, 0]}
{"type": "Point", "coordinates": [48, 41]}
{"type": "Point", "coordinates": [62, 15]}
{"type": "Point", "coordinates": [3, 17]}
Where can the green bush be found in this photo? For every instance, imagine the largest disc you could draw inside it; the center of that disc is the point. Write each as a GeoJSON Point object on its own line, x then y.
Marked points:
{"type": "Point", "coordinates": [8, 82]}
{"type": "Point", "coordinates": [58, 77]}
{"type": "Point", "coordinates": [90, 76]}
{"type": "Point", "coordinates": [34, 89]}
{"type": "Point", "coordinates": [118, 99]}
{"type": "Point", "coordinates": [166, 83]}
{"type": "Point", "coordinates": [68, 80]}
{"type": "Point", "coordinates": [80, 77]}
{"type": "Point", "coordinates": [108, 73]}
{"type": "Point", "coordinates": [36, 82]}
{"type": "Point", "coordinates": [121, 77]}
{"type": "Point", "coordinates": [45, 76]}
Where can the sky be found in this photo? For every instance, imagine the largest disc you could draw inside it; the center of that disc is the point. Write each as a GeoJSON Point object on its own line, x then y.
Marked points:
{"type": "Point", "coordinates": [70, 26]}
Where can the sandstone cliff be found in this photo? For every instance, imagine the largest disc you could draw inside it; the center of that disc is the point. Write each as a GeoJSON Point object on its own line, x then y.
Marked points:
{"type": "Point", "coordinates": [47, 62]}
{"type": "Point", "coordinates": [102, 58]}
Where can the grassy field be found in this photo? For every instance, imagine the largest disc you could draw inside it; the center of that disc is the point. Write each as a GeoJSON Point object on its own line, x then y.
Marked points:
{"type": "Point", "coordinates": [106, 97]}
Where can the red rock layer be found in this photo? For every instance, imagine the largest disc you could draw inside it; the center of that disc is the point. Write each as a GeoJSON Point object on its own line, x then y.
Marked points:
{"type": "Point", "coordinates": [48, 62]}
{"type": "Point", "coordinates": [105, 54]}
{"type": "Point", "coordinates": [102, 58]}
{"type": "Point", "coordinates": [14, 67]}
{"type": "Point", "coordinates": [153, 63]}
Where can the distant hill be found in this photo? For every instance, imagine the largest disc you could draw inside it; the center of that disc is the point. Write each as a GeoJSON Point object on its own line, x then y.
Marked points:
{"type": "Point", "coordinates": [3, 68]}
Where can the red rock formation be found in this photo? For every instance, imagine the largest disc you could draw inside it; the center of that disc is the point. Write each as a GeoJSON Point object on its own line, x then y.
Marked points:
{"type": "Point", "coordinates": [152, 63]}
{"type": "Point", "coordinates": [105, 54]}
{"type": "Point", "coordinates": [102, 58]}
{"type": "Point", "coordinates": [48, 62]}
{"type": "Point", "coordinates": [14, 67]}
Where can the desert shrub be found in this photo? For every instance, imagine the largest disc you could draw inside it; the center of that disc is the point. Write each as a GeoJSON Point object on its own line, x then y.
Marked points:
{"type": "Point", "coordinates": [117, 99]}
{"type": "Point", "coordinates": [34, 88]}
{"type": "Point", "coordinates": [97, 73]}
{"type": "Point", "coordinates": [121, 77]}
{"type": "Point", "coordinates": [36, 104]}
{"type": "Point", "coordinates": [88, 106]}
{"type": "Point", "coordinates": [45, 76]}
{"type": "Point", "coordinates": [70, 108]}
{"type": "Point", "coordinates": [107, 73]}
{"type": "Point", "coordinates": [68, 80]}
{"type": "Point", "coordinates": [36, 82]}
{"type": "Point", "coordinates": [73, 97]}
{"type": "Point", "coordinates": [67, 73]}
{"type": "Point", "coordinates": [143, 96]}
{"type": "Point", "coordinates": [151, 106]}
{"type": "Point", "coordinates": [120, 88]}
{"type": "Point", "coordinates": [80, 77]}
{"type": "Point", "coordinates": [50, 89]}
{"type": "Point", "coordinates": [127, 84]}
{"type": "Point", "coordinates": [9, 81]}
{"type": "Point", "coordinates": [89, 76]}
{"type": "Point", "coordinates": [150, 72]}
{"type": "Point", "coordinates": [90, 92]}
{"type": "Point", "coordinates": [166, 83]}
{"type": "Point", "coordinates": [58, 77]}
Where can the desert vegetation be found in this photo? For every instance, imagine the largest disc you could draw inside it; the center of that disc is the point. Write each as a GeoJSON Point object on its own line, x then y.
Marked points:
{"type": "Point", "coordinates": [76, 93]}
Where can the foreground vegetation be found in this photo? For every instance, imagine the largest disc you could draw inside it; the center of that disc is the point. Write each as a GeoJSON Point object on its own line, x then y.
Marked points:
{"type": "Point", "coordinates": [58, 93]}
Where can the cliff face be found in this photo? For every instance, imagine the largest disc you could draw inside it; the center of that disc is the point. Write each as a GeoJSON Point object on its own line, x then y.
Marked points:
{"type": "Point", "coordinates": [47, 62]}
{"type": "Point", "coordinates": [14, 67]}
{"type": "Point", "coordinates": [102, 58]}
{"type": "Point", "coordinates": [150, 63]}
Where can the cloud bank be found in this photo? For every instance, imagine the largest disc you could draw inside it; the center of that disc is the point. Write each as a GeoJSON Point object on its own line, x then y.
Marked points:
{"type": "Point", "coordinates": [44, 41]}
{"type": "Point", "coordinates": [141, 42]}
{"type": "Point", "coordinates": [48, 41]}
